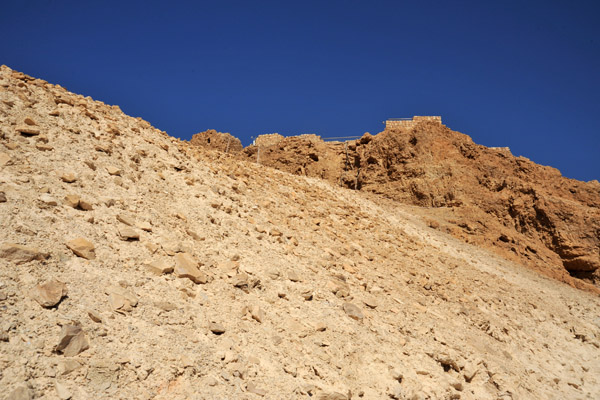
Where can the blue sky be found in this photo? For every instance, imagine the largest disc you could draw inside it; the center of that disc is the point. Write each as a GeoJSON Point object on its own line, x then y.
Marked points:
{"type": "Point", "coordinates": [511, 73]}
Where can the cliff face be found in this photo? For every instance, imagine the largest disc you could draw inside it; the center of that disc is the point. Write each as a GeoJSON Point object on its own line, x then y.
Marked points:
{"type": "Point", "coordinates": [486, 196]}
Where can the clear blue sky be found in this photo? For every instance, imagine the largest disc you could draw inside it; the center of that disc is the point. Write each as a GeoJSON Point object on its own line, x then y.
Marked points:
{"type": "Point", "coordinates": [523, 74]}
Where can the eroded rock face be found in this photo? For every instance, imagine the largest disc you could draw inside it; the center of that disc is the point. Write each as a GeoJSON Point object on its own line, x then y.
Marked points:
{"type": "Point", "coordinates": [485, 196]}
{"type": "Point", "coordinates": [217, 140]}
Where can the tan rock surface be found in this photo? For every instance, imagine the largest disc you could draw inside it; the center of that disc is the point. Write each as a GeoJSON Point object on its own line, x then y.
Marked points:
{"type": "Point", "coordinates": [20, 254]}
{"type": "Point", "coordinates": [82, 247]}
{"type": "Point", "coordinates": [450, 318]}
{"type": "Point", "coordinates": [72, 341]}
{"type": "Point", "coordinates": [50, 293]}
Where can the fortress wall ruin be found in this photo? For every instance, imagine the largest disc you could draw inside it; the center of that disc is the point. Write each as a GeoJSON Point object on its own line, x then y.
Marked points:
{"type": "Point", "coordinates": [410, 123]}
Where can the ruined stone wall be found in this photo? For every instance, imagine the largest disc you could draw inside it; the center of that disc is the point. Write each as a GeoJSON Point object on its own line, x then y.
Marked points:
{"type": "Point", "coordinates": [271, 139]}
{"type": "Point", "coordinates": [268, 139]}
{"type": "Point", "coordinates": [410, 123]}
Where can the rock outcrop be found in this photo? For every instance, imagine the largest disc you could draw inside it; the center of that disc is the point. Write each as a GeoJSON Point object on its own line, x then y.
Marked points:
{"type": "Point", "coordinates": [217, 140]}
{"type": "Point", "coordinates": [485, 196]}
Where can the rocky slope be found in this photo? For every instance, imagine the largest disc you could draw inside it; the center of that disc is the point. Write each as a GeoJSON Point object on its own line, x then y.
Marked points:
{"type": "Point", "coordinates": [134, 265]}
{"type": "Point", "coordinates": [486, 196]}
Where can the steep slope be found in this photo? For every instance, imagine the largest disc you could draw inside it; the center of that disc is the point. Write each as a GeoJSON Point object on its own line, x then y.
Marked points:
{"type": "Point", "coordinates": [486, 196]}
{"type": "Point", "coordinates": [133, 265]}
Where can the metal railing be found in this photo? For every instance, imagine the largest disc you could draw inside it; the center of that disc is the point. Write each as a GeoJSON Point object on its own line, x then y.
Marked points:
{"type": "Point", "coordinates": [325, 139]}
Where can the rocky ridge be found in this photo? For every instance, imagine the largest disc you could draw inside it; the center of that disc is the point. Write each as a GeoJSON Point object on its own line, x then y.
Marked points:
{"type": "Point", "coordinates": [135, 265]}
{"type": "Point", "coordinates": [485, 196]}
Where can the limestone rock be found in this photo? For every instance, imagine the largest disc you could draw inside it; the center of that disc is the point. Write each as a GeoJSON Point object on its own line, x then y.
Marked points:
{"type": "Point", "coordinates": [85, 205]}
{"type": "Point", "coordinates": [72, 341]}
{"type": "Point", "coordinates": [20, 254]}
{"type": "Point", "coordinates": [82, 248]}
{"type": "Point", "coordinates": [43, 147]}
{"type": "Point", "coordinates": [5, 159]}
{"type": "Point", "coordinates": [353, 311]}
{"type": "Point", "coordinates": [102, 374]}
{"type": "Point", "coordinates": [216, 328]}
{"type": "Point", "coordinates": [20, 393]}
{"type": "Point", "coordinates": [125, 219]}
{"type": "Point", "coordinates": [333, 396]}
{"type": "Point", "coordinates": [50, 293]}
{"type": "Point", "coordinates": [257, 313]}
{"type": "Point", "coordinates": [159, 267]}
{"type": "Point", "coordinates": [113, 170]}
{"type": "Point", "coordinates": [62, 391]}
{"type": "Point", "coordinates": [293, 276]}
{"type": "Point", "coordinates": [187, 267]}
{"type": "Point", "coordinates": [121, 299]}
{"type": "Point", "coordinates": [67, 366]}
{"type": "Point", "coordinates": [72, 200]}
{"type": "Point", "coordinates": [370, 301]}
{"type": "Point", "coordinates": [2, 197]}
{"type": "Point", "coordinates": [252, 388]}
{"type": "Point", "coordinates": [68, 177]}
{"type": "Point", "coordinates": [144, 225]}
{"type": "Point", "coordinates": [47, 201]}
{"type": "Point", "coordinates": [28, 130]}
{"type": "Point", "coordinates": [127, 233]}
{"type": "Point", "coordinates": [94, 315]}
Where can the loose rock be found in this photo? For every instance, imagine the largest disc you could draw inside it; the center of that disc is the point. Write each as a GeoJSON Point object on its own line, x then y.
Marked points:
{"type": "Point", "coordinates": [20, 254]}
{"type": "Point", "coordinates": [159, 267]}
{"type": "Point", "coordinates": [128, 234]}
{"type": "Point", "coordinates": [62, 391]}
{"type": "Point", "coordinates": [50, 293]}
{"type": "Point", "coordinates": [187, 267]}
{"type": "Point", "coordinates": [113, 170]}
{"type": "Point", "coordinates": [82, 248]}
{"type": "Point", "coordinates": [216, 328]}
{"type": "Point", "coordinates": [72, 200]}
{"type": "Point", "coordinates": [27, 130]}
{"type": "Point", "coordinates": [353, 311]}
{"type": "Point", "coordinates": [20, 393]}
{"type": "Point", "coordinates": [121, 299]}
{"type": "Point", "coordinates": [68, 177]}
{"type": "Point", "coordinates": [72, 341]}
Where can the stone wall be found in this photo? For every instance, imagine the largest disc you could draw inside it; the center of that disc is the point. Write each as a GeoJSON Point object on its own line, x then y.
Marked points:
{"type": "Point", "coordinates": [410, 123]}
{"type": "Point", "coordinates": [268, 139]}
{"type": "Point", "coordinates": [271, 139]}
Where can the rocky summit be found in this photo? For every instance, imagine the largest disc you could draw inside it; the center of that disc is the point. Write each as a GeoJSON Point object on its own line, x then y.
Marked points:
{"type": "Point", "coordinates": [136, 265]}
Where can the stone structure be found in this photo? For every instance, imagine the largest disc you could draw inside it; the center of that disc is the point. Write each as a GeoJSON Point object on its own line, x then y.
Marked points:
{"type": "Point", "coordinates": [268, 139]}
{"type": "Point", "coordinates": [400, 123]}
{"type": "Point", "coordinates": [274, 138]}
